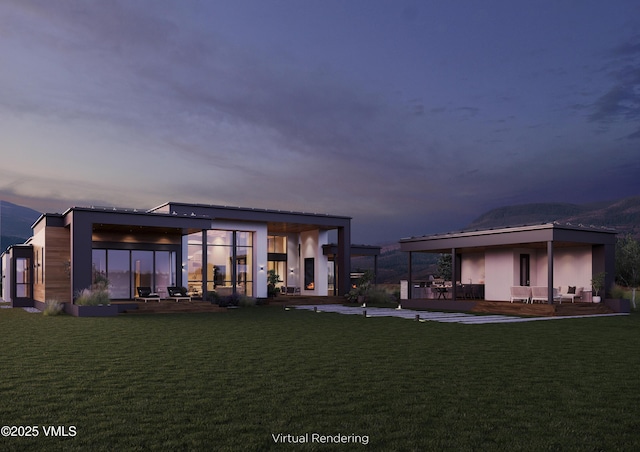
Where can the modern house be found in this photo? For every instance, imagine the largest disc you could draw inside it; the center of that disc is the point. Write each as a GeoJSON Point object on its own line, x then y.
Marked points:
{"type": "Point", "coordinates": [200, 247]}
{"type": "Point", "coordinates": [548, 256]}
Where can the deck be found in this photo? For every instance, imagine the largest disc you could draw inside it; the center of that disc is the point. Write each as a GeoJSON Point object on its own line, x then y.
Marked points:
{"type": "Point", "coordinates": [505, 307]}
{"type": "Point", "coordinates": [473, 306]}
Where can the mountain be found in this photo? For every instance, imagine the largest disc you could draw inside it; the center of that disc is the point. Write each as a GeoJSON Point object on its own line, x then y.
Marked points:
{"type": "Point", "coordinates": [15, 223]}
{"type": "Point", "coordinates": [622, 215]}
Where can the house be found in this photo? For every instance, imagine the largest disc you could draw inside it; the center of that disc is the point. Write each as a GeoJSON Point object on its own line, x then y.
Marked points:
{"type": "Point", "coordinates": [201, 247]}
{"type": "Point", "coordinates": [546, 255]}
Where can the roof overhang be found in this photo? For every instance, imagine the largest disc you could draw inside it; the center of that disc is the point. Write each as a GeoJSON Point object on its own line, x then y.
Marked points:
{"type": "Point", "coordinates": [532, 236]}
{"type": "Point", "coordinates": [278, 221]}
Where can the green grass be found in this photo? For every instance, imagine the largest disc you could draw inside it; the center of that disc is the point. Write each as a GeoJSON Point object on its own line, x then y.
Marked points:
{"type": "Point", "coordinates": [228, 381]}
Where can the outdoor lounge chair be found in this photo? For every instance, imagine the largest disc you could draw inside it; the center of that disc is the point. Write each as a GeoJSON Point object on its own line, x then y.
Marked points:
{"type": "Point", "coordinates": [540, 293]}
{"type": "Point", "coordinates": [570, 293]}
{"type": "Point", "coordinates": [177, 293]}
{"type": "Point", "coordinates": [145, 294]}
{"type": "Point", "coordinates": [520, 293]}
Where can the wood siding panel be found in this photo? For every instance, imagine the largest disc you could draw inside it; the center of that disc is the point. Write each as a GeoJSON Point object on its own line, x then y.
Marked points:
{"type": "Point", "coordinates": [57, 280]}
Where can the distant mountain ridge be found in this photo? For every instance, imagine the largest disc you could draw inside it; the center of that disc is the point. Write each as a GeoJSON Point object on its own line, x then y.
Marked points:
{"type": "Point", "coordinates": [15, 223]}
{"type": "Point", "coordinates": [623, 215]}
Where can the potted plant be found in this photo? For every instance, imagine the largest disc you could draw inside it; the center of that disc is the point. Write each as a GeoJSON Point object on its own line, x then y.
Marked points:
{"type": "Point", "coordinates": [597, 283]}
{"type": "Point", "coordinates": [272, 279]}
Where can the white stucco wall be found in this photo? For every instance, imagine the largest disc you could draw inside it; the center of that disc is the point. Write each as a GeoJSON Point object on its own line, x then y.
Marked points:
{"type": "Point", "coordinates": [293, 261]}
{"type": "Point", "coordinates": [499, 274]}
{"type": "Point", "coordinates": [311, 246]}
{"type": "Point", "coordinates": [571, 267]}
{"type": "Point", "coordinates": [472, 268]}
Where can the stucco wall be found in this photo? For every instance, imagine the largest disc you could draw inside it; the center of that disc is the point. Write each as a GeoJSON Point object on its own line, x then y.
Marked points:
{"type": "Point", "coordinates": [293, 261]}
{"type": "Point", "coordinates": [311, 246]}
{"type": "Point", "coordinates": [472, 268]}
{"type": "Point", "coordinates": [571, 266]}
{"type": "Point", "coordinates": [499, 274]}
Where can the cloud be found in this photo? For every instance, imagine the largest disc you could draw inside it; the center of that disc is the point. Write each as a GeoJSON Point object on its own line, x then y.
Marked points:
{"type": "Point", "coordinates": [621, 102]}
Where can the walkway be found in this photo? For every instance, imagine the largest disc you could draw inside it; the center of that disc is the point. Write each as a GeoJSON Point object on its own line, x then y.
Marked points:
{"type": "Point", "coordinates": [445, 317]}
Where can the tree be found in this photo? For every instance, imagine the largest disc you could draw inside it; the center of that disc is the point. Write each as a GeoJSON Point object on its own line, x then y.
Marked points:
{"type": "Point", "coordinates": [628, 263]}
{"type": "Point", "coordinates": [444, 266]}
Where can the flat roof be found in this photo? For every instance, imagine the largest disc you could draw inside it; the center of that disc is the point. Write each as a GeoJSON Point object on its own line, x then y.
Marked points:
{"type": "Point", "coordinates": [167, 214]}
{"type": "Point", "coordinates": [563, 234]}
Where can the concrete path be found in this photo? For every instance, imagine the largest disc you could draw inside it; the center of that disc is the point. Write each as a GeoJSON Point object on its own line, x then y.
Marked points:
{"type": "Point", "coordinates": [425, 316]}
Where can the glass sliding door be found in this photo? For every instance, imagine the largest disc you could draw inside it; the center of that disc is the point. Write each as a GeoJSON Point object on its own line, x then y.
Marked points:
{"type": "Point", "coordinates": [99, 265]}
{"type": "Point", "coordinates": [142, 269]}
{"type": "Point", "coordinates": [165, 271]}
{"type": "Point", "coordinates": [119, 273]}
{"type": "Point", "coordinates": [127, 270]}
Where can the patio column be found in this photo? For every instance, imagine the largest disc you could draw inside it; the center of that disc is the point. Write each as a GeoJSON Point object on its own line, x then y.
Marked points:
{"type": "Point", "coordinates": [81, 228]}
{"type": "Point", "coordinates": [454, 265]}
{"type": "Point", "coordinates": [344, 259]}
{"type": "Point", "coordinates": [375, 270]}
{"type": "Point", "coordinates": [409, 295]}
{"type": "Point", "coordinates": [550, 271]}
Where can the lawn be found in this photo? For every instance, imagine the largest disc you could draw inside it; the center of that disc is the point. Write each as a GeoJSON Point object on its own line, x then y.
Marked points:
{"type": "Point", "coordinates": [229, 381]}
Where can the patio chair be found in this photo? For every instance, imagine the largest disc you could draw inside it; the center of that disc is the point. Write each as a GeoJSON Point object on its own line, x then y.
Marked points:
{"type": "Point", "coordinates": [177, 293]}
{"type": "Point", "coordinates": [570, 293]}
{"type": "Point", "coordinates": [145, 294]}
{"type": "Point", "coordinates": [522, 293]}
{"type": "Point", "coordinates": [540, 293]}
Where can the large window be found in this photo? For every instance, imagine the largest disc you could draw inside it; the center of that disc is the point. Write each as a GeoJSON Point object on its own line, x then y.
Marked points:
{"type": "Point", "coordinates": [194, 262]}
{"type": "Point", "coordinates": [127, 270]}
{"type": "Point", "coordinates": [229, 262]}
{"type": "Point", "coordinates": [119, 273]}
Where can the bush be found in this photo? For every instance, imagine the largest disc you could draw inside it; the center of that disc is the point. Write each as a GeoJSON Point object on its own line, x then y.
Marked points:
{"type": "Point", "coordinates": [236, 299]}
{"type": "Point", "coordinates": [213, 297]}
{"type": "Point", "coordinates": [618, 291]}
{"type": "Point", "coordinates": [52, 307]}
{"type": "Point", "coordinates": [95, 297]}
{"type": "Point", "coordinates": [245, 301]}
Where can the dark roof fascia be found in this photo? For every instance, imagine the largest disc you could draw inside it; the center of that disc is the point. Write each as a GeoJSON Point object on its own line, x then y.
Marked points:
{"type": "Point", "coordinates": [258, 215]}
{"type": "Point", "coordinates": [507, 236]}
{"type": "Point", "coordinates": [135, 218]}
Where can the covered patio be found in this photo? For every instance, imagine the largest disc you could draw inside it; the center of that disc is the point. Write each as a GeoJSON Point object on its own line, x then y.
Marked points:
{"type": "Point", "coordinates": [486, 265]}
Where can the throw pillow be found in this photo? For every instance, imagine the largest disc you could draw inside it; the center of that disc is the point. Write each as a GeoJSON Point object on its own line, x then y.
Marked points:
{"type": "Point", "coordinates": [572, 289]}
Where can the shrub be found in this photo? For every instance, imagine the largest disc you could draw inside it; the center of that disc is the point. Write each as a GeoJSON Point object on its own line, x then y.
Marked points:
{"type": "Point", "coordinates": [92, 297]}
{"type": "Point", "coordinates": [618, 291]}
{"type": "Point", "coordinates": [245, 301]}
{"type": "Point", "coordinates": [213, 297]}
{"type": "Point", "coordinates": [52, 307]}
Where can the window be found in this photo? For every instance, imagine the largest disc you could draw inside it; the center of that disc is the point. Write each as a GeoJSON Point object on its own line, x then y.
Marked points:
{"type": "Point", "coordinates": [127, 270]}
{"type": "Point", "coordinates": [230, 262]}
{"type": "Point", "coordinates": [23, 277]}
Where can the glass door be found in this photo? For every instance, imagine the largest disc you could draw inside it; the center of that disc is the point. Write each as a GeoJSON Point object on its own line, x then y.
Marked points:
{"type": "Point", "coordinates": [23, 277]}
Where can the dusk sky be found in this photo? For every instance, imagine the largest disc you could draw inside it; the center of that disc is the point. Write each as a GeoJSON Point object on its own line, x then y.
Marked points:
{"type": "Point", "coordinates": [412, 117]}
